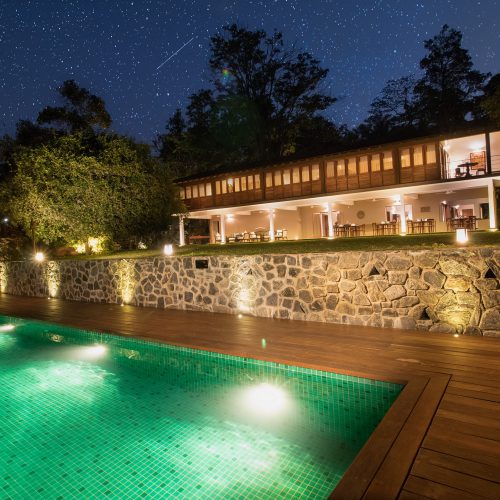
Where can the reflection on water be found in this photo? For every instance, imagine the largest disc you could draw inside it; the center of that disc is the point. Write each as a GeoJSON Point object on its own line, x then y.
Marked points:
{"type": "Point", "coordinates": [122, 418]}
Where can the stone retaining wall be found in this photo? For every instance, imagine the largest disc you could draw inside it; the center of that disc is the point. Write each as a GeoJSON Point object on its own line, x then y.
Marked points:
{"type": "Point", "coordinates": [446, 291]}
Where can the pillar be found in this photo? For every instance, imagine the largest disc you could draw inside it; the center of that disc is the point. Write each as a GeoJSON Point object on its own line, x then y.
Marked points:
{"type": "Point", "coordinates": [271, 225]}
{"type": "Point", "coordinates": [492, 204]}
{"type": "Point", "coordinates": [330, 221]}
{"type": "Point", "coordinates": [403, 214]}
{"type": "Point", "coordinates": [222, 228]}
{"type": "Point", "coordinates": [182, 236]}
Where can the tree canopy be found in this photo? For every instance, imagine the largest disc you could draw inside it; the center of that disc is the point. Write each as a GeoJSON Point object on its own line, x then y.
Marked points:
{"type": "Point", "coordinates": [70, 193]}
{"type": "Point", "coordinates": [264, 98]}
{"type": "Point", "coordinates": [445, 97]}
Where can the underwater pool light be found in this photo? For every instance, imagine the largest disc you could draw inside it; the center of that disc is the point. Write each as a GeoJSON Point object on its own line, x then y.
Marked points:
{"type": "Point", "coordinates": [266, 399]}
{"type": "Point", "coordinates": [7, 328]}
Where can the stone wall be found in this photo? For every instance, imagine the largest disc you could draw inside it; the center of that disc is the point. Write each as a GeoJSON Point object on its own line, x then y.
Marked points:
{"type": "Point", "coordinates": [439, 290]}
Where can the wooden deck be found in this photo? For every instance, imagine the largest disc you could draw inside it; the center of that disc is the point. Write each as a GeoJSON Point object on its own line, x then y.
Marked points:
{"type": "Point", "coordinates": [441, 438]}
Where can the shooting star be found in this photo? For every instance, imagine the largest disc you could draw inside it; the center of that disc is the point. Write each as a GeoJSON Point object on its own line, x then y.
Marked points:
{"type": "Point", "coordinates": [174, 54]}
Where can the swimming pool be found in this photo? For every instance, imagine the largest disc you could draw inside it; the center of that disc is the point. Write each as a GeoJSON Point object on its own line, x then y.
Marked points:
{"type": "Point", "coordinates": [86, 414]}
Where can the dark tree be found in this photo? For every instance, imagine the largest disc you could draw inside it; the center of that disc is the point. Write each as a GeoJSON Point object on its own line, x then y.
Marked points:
{"type": "Point", "coordinates": [446, 94]}
{"type": "Point", "coordinates": [489, 104]}
{"type": "Point", "coordinates": [393, 113]}
{"type": "Point", "coordinates": [81, 110]}
{"type": "Point", "coordinates": [262, 95]}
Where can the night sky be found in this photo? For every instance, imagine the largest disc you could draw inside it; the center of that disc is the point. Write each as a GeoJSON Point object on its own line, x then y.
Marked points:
{"type": "Point", "coordinates": [114, 47]}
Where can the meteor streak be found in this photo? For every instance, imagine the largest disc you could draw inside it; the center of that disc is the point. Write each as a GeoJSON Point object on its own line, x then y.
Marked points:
{"type": "Point", "coordinates": [174, 54]}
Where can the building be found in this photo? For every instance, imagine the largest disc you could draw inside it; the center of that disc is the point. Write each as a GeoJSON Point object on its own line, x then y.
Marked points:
{"type": "Point", "coordinates": [438, 182]}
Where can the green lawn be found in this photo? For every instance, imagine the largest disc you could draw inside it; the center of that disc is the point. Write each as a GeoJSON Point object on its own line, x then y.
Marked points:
{"type": "Point", "coordinates": [370, 243]}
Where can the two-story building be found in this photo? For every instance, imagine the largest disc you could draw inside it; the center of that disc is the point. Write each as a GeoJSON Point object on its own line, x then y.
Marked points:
{"type": "Point", "coordinates": [442, 180]}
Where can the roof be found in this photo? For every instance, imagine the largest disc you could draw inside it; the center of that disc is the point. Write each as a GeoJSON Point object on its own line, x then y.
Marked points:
{"type": "Point", "coordinates": [341, 149]}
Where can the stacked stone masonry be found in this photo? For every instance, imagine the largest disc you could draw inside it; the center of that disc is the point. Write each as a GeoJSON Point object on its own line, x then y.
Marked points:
{"type": "Point", "coordinates": [442, 290]}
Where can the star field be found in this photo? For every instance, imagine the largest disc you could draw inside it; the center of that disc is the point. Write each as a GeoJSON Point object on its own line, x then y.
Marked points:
{"type": "Point", "coordinates": [114, 47]}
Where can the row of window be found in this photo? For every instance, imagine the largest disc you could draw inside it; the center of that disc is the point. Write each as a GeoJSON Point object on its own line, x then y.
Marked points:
{"type": "Point", "coordinates": [237, 184]}
{"type": "Point", "coordinates": [295, 175]}
{"type": "Point", "coordinates": [361, 164]}
{"type": "Point", "coordinates": [198, 190]}
{"type": "Point", "coordinates": [414, 156]}
{"type": "Point", "coordinates": [418, 156]}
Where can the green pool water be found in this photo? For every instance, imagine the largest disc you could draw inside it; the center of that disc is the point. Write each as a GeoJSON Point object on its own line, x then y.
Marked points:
{"type": "Point", "coordinates": [90, 415]}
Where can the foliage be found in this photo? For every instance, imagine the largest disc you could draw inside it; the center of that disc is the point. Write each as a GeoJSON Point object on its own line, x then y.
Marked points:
{"type": "Point", "coordinates": [81, 110]}
{"type": "Point", "coordinates": [443, 98]}
{"type": "Point", "coordinates": [262, 102]}
{"type": "Point", "coordinates": [446, 94]}
{"type": "Point", "coordinates": [490, 103]}
{"type": "Point", "coordinates": [71, 192]}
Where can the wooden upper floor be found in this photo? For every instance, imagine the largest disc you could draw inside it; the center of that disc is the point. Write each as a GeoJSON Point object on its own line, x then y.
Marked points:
{"type": "Point", "coordinates": [387, 165]}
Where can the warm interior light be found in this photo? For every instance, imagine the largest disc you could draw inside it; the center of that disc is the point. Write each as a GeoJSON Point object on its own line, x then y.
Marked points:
{"type": "Point", "coordinates": [7, 328]}
{"type": "Point", "coordinates": [462, 235]}
{"type": "Point", "coordinates": [168, 249]}
{"type": "Point", "coordinates": [39, 256]}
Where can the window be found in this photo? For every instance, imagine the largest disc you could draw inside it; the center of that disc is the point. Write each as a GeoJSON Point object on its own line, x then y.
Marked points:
{"type": "Point", "coordinates": [363, 164]}
{"type": "Point", "coordinates": [250, 182]}
{"type": "Point", "coordinates": [405, 158]}
{"type": "Point", "coordinates": [341, 168]}
{"type": "Point", "coordinates": [195, 191]}
{"type": "Point", "coordinates": [286, 177]}
{"type": "Point", "coordinates": [430, 156]}
{"type": "Point", "coordinates": [269, 179]}
{"type": "Point", "coordinates": [305, 174]}
{"type": "Point", "coordinates": [224, 187]}
{"type": "Point", "coordinates": [217, 187]}
{"type": "Point", "coordinates": [257, 181]}
{"type": "Point", "coordinates": [330, 172]}
{"type": "Point", "coordinates": [188, 192]}
{"type": "Point", "coordinates": [351, 167]}
{"type": "Point", "coordinates": [230, 185]}
{"type": "Point", "coordinates": [315, 173]}
{"type": "Point", "coordinates": [243, 183]}
{"type": "Point", "coordinates": [296, 175]}
{"type": "Point", "coordinates": [418, 155]}
{"type": "Point", "coordinates": [237, 185]}
{"type": "Point", "coordinates": [208, 189]}
{"type": "Point", "coordinates": [277, 178]}
{"type": "Point", "coordinates": [201, 190]}
{"type": "Point", "coordinates": [387, 160]}
{"type": "Point", "coordinates": [182, 193]}
{"type": "Point", "coordinates": [375, 163]}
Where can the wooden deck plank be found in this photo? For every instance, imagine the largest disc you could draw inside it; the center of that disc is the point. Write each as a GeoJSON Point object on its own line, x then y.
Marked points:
{"type": "Point", "coordinates": [460, 442]}
{"type": "Point", "coordinates": [393, 471]}
{"type": "Point", "coordinates": [461, 481]}
{"type": "Point", "coordinates": [438, 491]}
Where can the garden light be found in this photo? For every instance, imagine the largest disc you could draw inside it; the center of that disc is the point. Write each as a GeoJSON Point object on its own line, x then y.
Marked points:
{"type": "Point", "coordinates": [39, 257]}
{"type": "Point", "coordinates": [168, 250]}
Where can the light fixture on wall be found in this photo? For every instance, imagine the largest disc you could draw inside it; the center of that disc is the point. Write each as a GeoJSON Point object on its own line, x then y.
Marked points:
{"type": "Point", "coordinates": [39, 257]}
{"type": "Point", "coordinates": [462, 235]}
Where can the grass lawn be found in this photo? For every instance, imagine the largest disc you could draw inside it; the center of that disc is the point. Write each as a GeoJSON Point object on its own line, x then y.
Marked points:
{"type": "Point", "coordinates": [363, 243]}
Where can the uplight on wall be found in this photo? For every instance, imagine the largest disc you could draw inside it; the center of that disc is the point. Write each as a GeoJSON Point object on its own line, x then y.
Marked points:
{"type": "Point", "coordinates": [462, 235]}
{"type": "Point", "coordinates": [39, 257]}
{"type": "Point", "coordinates": [168, 250]}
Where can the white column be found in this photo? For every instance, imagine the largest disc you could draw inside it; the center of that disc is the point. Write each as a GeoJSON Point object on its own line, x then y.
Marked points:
{"type": "Point", "coordinates": [403, 214]}
{"type": "Point", "coordinates": [492, 204]}
{"type": "Point", "coordinates": [222, 228]}
{"type": "Point", "coordinates": [330, 221]}
{"type": "Point", "coordinates": [182, 236]}
{"type": "Point", "coordinates": [271, 225]}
